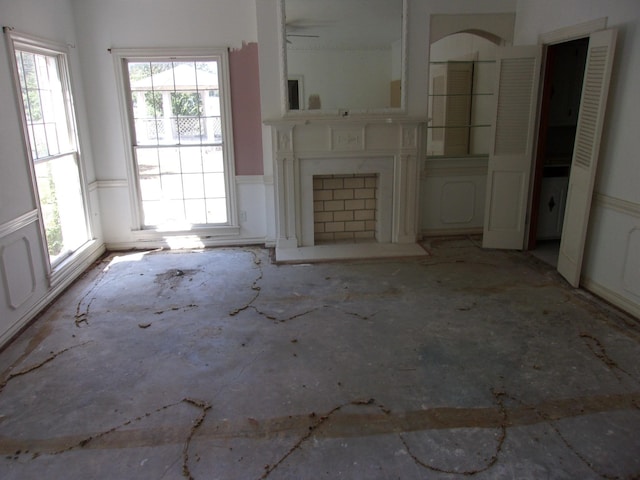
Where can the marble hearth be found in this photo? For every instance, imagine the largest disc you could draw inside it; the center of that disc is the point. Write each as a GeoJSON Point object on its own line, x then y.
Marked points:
{"type": "Point", "coordinates": [386, 147]}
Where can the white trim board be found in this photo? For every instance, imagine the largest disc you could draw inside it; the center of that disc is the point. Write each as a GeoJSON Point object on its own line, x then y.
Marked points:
{"type": "Point", "coordinates": [575, 31]}
{"type": "Point", "coordinates": [17, 223]}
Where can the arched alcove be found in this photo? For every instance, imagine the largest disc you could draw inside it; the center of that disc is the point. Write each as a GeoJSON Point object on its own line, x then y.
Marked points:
{"type": "Point", "coordinates": [461, 88]}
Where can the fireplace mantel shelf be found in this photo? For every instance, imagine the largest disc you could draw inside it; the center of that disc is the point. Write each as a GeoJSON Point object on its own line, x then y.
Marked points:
{"type": "Point", "coordinates": [302, 119]}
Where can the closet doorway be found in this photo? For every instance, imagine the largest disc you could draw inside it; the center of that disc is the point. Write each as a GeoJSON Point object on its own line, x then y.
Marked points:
{"type": "Point", "coordinates": [560, 104]}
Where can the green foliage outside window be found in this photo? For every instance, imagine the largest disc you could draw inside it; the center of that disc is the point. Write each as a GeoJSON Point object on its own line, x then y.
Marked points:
{"type": "Point", "coordinates": [187, 104]}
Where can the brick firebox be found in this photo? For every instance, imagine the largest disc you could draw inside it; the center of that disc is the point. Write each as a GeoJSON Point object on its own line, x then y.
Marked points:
{"type": "Point", "coordinates": [344, 207]}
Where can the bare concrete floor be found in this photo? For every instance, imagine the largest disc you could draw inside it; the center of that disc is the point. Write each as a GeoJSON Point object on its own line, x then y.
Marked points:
{"type": "Point", "coordinates": [221, 365]}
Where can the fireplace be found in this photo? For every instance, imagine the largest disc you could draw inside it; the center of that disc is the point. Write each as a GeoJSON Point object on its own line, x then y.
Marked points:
{"type": "Point", "coordinates": [349, 152]}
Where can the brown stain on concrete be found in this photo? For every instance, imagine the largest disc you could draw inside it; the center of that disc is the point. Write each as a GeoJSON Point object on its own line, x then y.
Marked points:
{"type": "Point", "coordinates": [342, 424]}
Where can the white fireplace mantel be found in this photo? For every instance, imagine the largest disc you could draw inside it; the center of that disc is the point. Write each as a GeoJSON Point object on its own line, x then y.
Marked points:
{"type": "Point", "coordinates": [389, 147]}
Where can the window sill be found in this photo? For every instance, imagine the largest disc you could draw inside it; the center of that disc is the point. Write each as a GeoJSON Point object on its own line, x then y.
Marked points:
{"type": "Point", "coordinates": [201, 232]}
{"type": "Point", "coordinates": [77, 261]}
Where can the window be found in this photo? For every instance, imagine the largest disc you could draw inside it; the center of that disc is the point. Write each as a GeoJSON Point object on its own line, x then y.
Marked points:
{"type": "Point", "coordinates": [179, 126]}
{"type": "Point", "coordinates": [50, 130]}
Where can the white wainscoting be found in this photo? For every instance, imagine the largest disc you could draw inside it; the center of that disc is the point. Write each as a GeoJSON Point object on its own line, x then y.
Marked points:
{"type": "Point", "coordinates": [26, 287]}
{"type": "Point", "coordinates": [255, 211]}
{"type": "Point", "coordinates": [614, 272]}
{"type": "Point", "coordinates": [452, 195]}
{"type": "Point", "coordinates": [17, 267]}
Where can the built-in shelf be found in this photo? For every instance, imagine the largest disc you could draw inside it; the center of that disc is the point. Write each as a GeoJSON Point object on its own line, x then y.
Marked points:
{"type": "Point", "coordinates": [461, 106]}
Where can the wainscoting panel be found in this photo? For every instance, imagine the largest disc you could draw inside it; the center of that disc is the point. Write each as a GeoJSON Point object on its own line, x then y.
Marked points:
{"type": "Point", "coordinates": [611, 267]}
{"type": "Point", "coordinates": [18, 274]}
{"type": "Point", "coordinates": [458, 202]}
{"type": "Point", "coordinates": [23, 278]}
{"type": "Point", "coordinates": [25, 285]}
{"type": "Point", "coordinates": [452, 196]}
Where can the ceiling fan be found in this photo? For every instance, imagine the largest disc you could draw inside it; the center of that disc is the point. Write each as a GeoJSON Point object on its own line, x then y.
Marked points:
{"type": "Point", "coordinates": [294, 28]}
{"type": "Point", "coordinates": [300, 35]}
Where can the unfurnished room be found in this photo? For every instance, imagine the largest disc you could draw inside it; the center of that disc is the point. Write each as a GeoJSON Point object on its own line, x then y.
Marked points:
{"type": "Point", "coordinates": [285, 239]}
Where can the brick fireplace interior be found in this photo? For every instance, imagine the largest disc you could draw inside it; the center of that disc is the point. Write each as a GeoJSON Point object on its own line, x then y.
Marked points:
{"type": "Point", "coordinates": [344, 208]}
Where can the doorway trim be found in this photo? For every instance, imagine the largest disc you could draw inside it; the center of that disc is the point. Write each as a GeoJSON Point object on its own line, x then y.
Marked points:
{"type": "Point", "coordinates": [573, 32]}
{"type": "Point", "coordinates": [545, 40]}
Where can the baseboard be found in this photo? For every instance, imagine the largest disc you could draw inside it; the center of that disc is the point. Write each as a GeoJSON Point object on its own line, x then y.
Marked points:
{"type": "Point", "coordinates": [449, 232]}
{"type": "Point", "coordinates": [614, 298]}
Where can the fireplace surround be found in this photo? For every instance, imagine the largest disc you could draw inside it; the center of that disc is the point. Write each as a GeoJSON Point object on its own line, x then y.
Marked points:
{"type": "Point", "coordinates": [386, 147]}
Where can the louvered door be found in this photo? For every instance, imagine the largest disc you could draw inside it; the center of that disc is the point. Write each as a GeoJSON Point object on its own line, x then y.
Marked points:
{"type": "Point", "coordinates": [585, 153]}
{"type": "Point", "coordinates": [511, 151]}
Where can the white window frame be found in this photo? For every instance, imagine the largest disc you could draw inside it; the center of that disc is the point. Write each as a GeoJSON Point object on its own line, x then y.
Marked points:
{"type": "Point", "coordinates": [17, 41]}
{"type": "Point", "coordinates": [123, 55]}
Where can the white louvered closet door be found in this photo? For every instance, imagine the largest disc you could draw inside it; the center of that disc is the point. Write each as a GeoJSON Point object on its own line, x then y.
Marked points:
{"type": "Point", "coordinates": [511, 152]}
{"type": "Point", "coordinates": [585, 153]}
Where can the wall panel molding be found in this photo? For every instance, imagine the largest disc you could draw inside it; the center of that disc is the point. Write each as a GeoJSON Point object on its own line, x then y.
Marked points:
{"type": "Point", "coordinates": [250, 180]}
{"type": "Point", "coordinates": [18, 272]}
{"type": "Point", "coordinates": [453, 167]}
{"type": "Point", "coordinates": [617, 204]}
{"type": "Point", "coordinates": [16, 224]}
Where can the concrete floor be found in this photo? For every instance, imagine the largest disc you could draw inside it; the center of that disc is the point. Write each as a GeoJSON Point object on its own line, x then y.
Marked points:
{"type": "Point", "coordinates": [220, 364]}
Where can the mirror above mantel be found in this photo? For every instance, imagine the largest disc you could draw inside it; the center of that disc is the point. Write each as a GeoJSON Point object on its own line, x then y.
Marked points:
{"type": "Point", "coordinates": [343, 57]}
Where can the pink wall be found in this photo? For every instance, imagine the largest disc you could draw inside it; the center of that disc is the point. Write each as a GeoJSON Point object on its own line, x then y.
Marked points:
{"type": "Point", "coordinates": [245, 105]}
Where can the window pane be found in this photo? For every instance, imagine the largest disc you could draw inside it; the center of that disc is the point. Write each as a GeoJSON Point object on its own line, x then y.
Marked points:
{"type": "Point", "coordinates": [40, 140]}
{"type": "Point", "coordinates": [212, 159]}
{"type": "Point", "coordinates": [148, 162]}
{"type": "Point", "coordinates": [59, 191]}
{"type": "Point", "coordinates": [153, 212]}
{"type": "Point", "coordinates": [174, 211]}
{"type": "Point", "coordinates": [191, 159]}
{"type": "Point", "coordinates": [150, 187]}
{"type": "Point", "coordinates": [51, 130]}
{"type": "Point", "coordinates": [172, 187]}
{"type": "Point", "coordinates": [169, 160]}
{"type": "Point", "coordinates": [32, 105]}
{"type": "Point", "coordinates": [178, 103]}
{"type": "Point", "coordinates": [193, 186]}
{"type": "Point", "coordinates": [195, 211]}
{"type": "Point", "coordinates": [216, 210]}
{"type": "Point", "coordinates": [214, 185]}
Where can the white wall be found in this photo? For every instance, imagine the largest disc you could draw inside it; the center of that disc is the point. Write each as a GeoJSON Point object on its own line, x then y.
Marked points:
{"type": "Point", "coordinates": [104, 24]}
{"type": "Point", "coordinates": [24, 286]}
{"type": "Point", "coordinates": [612, 259]}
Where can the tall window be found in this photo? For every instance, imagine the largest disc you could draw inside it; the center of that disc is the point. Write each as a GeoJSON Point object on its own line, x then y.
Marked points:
{"type": "Point", "coordinates": [50, 129]}
{"type": "Point", "coordinates": [177, 109]}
